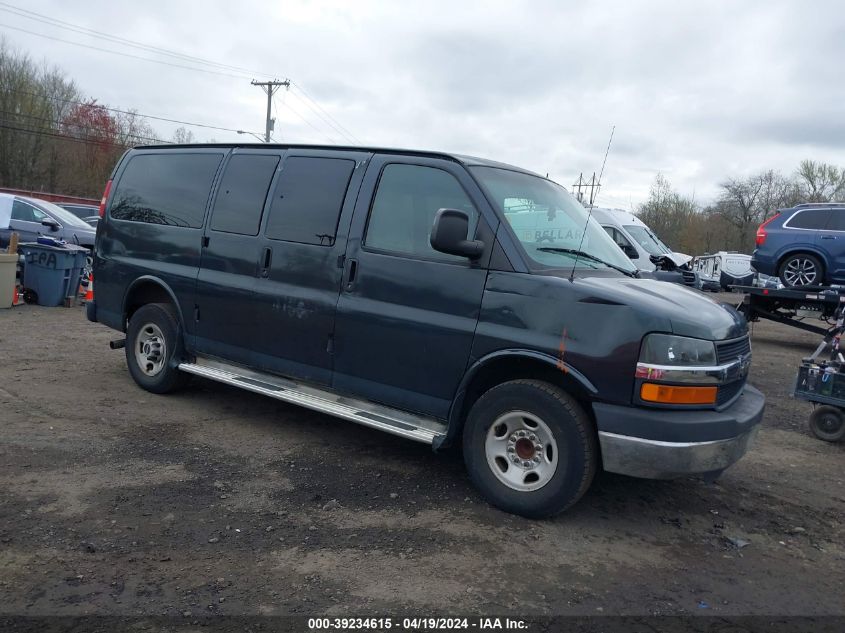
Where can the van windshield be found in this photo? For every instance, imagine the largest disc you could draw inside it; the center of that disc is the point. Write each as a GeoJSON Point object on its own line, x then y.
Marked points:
{"type": "Point", "coordinates": [549, 222]}
{"type": "Point", "coordinates": [647, 240]}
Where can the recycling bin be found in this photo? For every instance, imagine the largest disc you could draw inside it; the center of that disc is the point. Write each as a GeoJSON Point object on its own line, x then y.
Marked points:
{"type": "Point", "coordinates": [52, 273]}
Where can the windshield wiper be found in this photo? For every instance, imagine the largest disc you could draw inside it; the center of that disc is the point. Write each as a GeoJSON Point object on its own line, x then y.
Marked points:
{"type": "Point", "coordinates": [590, 256]}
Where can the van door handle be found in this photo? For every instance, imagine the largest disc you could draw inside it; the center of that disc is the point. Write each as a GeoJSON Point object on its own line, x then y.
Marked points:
{"type": "Point", "coordinates": [351, 273]}
{"type": "Point", "coordinates": [266, 260]}
{"type": "Point", "coordinates": [828, 237]}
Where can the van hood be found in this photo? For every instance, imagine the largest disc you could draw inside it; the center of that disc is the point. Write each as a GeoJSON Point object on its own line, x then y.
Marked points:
{"type": "Point", "coordinates": [689, 312]}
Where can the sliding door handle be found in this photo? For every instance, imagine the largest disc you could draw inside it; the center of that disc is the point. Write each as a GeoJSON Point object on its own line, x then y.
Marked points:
{"type": "Point", "coordinates": [266, 260]}
{"type": "Point", "coordinates": [351, 273]}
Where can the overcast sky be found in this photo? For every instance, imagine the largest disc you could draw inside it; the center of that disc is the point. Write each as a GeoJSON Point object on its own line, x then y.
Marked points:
{"type": "Point", "coordinates": [696, 90]}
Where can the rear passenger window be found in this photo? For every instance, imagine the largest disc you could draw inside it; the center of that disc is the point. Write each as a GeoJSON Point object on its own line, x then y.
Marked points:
{"type": "Point", "coordinates": [406, 202]}
{"type": "Point", "coordinates": [308, 199]}
{"type": "Point", "coordinates": [837, 220]}
{"type": "Point", "coordinates": [242, 192]}
{"type": "Point", "coordinates": [809, 219]}
{"type": "Point", "coordinates": [169, 189]}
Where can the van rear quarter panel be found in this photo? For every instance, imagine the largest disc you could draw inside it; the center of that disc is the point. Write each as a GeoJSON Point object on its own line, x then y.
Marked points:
{"type": "Point", "coordinates": [127, 250]}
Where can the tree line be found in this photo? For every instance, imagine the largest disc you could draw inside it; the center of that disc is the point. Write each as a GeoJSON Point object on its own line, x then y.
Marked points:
{"type": "Point", "coordinates": [730, 223]}
{"type": "Point", "coordinates": [53, 138]}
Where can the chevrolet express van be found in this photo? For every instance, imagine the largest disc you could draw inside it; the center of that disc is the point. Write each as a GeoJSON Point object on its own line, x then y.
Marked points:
{"type": "Point", "coordinates": [405, 291]}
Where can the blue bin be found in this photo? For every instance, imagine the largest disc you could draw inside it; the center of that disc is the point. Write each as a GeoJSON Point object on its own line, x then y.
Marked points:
{"type": "Point", "coordinates": [52, 272]}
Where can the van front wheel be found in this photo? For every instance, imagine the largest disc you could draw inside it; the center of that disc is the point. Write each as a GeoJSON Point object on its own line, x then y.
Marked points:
{"type": "Point", "coordinates": [530, 448]}
{"type": "Point", "coordinates": [153, 347]}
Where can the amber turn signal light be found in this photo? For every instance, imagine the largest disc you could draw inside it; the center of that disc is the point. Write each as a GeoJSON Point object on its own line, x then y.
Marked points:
{"type": "Point", "coordinates": [667, 394]}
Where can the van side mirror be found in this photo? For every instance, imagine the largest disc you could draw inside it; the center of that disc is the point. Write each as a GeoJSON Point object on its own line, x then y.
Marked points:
{"type": "Point", "coordinates": [50, 223]}
{"type": "Point", "coordinates": [449, 234]}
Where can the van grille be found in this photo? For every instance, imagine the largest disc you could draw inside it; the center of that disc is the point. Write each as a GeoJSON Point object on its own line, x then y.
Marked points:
{"type": "Point", "coordinates": [729, 351]}
{"type": "Point", "coordinates": [689, 277]}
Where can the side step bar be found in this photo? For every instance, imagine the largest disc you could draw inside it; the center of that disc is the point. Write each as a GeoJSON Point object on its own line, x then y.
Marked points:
{"type": "Point", "coordinates": [402, 423]}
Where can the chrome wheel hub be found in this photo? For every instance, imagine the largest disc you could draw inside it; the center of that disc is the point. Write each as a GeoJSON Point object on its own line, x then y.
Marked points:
{"type": "Point", "coordinates": [800, 272]}
{"type": "Point", "coordinates": [521, 451]}
{"type": "Point", "coordinates": [150, 349]}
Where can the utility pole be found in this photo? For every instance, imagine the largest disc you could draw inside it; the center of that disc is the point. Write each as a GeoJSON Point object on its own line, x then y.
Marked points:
{"type": "Point", "coordinates": [582, 185]}
{"type": "Point", "coordinates": [270, 88]}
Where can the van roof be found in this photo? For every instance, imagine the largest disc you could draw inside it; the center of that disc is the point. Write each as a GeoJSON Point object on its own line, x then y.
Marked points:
{"type": "Point", "coordinates": [468, 161]}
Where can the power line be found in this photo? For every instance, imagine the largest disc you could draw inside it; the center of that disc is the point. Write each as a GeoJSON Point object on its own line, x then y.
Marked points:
{"type": "Point", "coordinates": [297, 86]}
{"type": "Point", "coordinates": [45, 19]}
{"type": "Point", "coordinates": [244, 72]}
{"type": "Point", "coordinates": [129, 112]}
{"type": "Point", "coordinates": [55, 124]}
{"type": "Point", "coordinates": [108, 50]}
{"type": "Point", "coordinates": [76, 139]}
{"type": "Point", "coordinates": [326, 136]}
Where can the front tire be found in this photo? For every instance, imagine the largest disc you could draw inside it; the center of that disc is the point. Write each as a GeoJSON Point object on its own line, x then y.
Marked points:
{"type": "Point", "coordinates": [828, 423]}
{"type": "Point", "coordinates": [154, 347]}
{"type": "Point", "coordinates": [530, 448]}
{"type": "Point", "coordinates": [801, 269]}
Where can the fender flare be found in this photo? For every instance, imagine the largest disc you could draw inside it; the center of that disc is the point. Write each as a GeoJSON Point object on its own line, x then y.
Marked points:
{"type": "Point", "coordinates": [159, 282]}
{"type": "Point", "coordinates": [572, 376]}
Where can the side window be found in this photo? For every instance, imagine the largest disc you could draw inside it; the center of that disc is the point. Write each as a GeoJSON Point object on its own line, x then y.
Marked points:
{"type": "Point", "coordinates": [168, 188]}
{"type": "Point", "coordinates": [837, 220]}
{"type": "Point", "coordinates": [242, 192]}
{"type": "Point", "coordinates": [308, 199]}
{"type": "Point", "coordinates": [809, 219]}
{"type": "Point", "coordinates": [25, 212]}
{"type": "Point", "coordinates": [617, 236]}
{"type": "Point", "coordinates": [403, 210]}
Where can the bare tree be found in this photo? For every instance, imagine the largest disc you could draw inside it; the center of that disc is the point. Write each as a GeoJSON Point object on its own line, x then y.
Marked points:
{"type": "Point", "coordinates": [668, 213]}
{"type": "Point", "coordinates": [739, 204]}
{"type": "Point", "coordinates": [183, 136]}
{"type": "Point", "coordinates": [821, 182]}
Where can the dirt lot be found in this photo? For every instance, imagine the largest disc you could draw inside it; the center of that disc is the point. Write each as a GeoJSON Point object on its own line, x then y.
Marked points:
{"type": "Point", "coordinates": [218, 501]}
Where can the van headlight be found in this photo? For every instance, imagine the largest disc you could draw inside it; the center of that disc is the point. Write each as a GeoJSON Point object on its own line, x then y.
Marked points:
{"type": "Point", "coordinates": [677, 370]}
{"type": "Point", "coordinates": [667, 349]}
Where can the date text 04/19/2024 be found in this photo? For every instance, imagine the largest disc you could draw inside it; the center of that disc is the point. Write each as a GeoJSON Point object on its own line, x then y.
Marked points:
{"type": "Point", "coordinates": [416, 624]}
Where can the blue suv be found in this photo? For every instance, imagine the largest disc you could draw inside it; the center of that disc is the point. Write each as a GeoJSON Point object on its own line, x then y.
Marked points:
{"type": "Point", "coordinates": [803, 245]}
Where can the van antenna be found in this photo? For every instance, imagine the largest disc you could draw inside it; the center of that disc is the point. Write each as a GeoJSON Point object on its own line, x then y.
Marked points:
{"type": "Point", "coordinates": [593, 194]}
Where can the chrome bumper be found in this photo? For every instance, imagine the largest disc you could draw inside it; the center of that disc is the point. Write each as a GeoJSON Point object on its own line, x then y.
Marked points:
{"type": "Point", "coordinates": [652, 459]}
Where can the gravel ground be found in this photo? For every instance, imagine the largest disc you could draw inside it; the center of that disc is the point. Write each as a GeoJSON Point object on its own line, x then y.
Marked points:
{"type": "Point", "coordinates": [114, 501]}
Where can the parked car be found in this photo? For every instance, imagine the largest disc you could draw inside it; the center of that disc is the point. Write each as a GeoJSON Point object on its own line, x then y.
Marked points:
{"type": "Point", "coordinates": [31, 217]}
{"type": "Point", "coordinates": [803, 245]}
{"type": "Point", "coordinates": [643, 247]}
{"type": "Point", "coordinates": [88, 213]}
{"type": "Point", "coordinates": [409, 292]}
{"type": "Point", "coordinates": [719, 271]}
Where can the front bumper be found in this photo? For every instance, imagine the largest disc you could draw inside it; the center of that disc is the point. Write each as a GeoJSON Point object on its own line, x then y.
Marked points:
{"type": "Point", "coordinates": [665, 444]}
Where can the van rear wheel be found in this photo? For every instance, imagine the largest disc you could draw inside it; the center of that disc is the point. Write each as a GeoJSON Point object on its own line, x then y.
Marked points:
{"type": "Point", "coordinates": [153, 348]}
{"type": "Point", "coordinates": [530, 448]}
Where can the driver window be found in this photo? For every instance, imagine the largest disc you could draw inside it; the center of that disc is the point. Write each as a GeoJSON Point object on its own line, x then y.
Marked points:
{"type": "Point", "coordinates": [23, 212]}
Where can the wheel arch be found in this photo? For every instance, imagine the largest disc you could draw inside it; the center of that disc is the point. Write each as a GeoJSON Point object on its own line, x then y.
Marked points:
{"type": "Point", "coordinates": [803, 249]}
{"type": "Point", "coordinates": [149, 289]}
{"type": "Point", "coordinates": [513, 364]}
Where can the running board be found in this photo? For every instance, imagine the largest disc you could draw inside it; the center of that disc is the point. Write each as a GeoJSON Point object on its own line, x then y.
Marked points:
{"type": "Point", "coordinates": [395, 421]}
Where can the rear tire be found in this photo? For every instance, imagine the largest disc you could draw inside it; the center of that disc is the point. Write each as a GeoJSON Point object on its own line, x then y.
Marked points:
{"type": "Point", "coordinates": [828, 423]}
{"type": "Point", "coordinates": [530, 448]}
{"type": "Point", "coordinates": [801, 269]}
{"type": "Point", "coordinates": [154, 348]}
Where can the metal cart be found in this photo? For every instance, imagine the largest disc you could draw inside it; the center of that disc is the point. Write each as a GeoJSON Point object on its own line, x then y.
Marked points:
{"type": "Point", "coordinates": [821, 380]}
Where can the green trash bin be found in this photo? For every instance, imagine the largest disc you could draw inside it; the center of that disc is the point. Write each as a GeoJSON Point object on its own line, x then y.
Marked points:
{"type": "Point", "coordinates": [52, 273]}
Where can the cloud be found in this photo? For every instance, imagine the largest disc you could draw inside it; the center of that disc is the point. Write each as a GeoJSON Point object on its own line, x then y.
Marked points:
{"type": "Point", "coordinates": [698, 91]}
